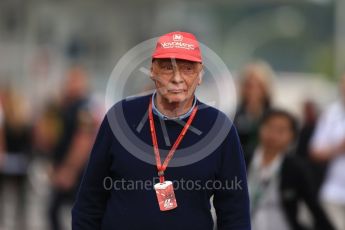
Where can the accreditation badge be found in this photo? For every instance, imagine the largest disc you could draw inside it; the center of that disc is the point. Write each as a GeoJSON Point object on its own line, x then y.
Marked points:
{"type": "Point", "coordinates": [165, 196]}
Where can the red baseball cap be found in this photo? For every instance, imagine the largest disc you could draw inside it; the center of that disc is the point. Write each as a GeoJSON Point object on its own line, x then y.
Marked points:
{"type": "Point", "coordinates": [179, 45]}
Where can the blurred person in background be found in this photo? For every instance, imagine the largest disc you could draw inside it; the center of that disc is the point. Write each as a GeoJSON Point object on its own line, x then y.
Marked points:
{"type": "Point", "coordinates": [278, 180]}
{"type": "Point", "coordinates": [77, 131]}
{"type": "Point", "coordinates": [328, 145]}
{"type": "Point", "coordinates": [47, 130]}
{"type": "Point", "coordinates": [2, 141]}
{"type": "Point", "coordinates": [2, 147]}
{"type": "Point", "coordinates": [16, 138]}
{"type": "Point", "coordinates": [310, 116]}
{"type": "Point", "coordinates": [255, 93]}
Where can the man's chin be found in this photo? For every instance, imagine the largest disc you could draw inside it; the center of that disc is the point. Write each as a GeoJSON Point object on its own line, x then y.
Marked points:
{"type": "Point", "coordinates": [177, 98]}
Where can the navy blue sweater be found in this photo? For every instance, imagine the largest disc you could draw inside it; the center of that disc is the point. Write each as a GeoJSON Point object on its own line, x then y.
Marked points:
{"type": "Point", "coordinates": [121, 202]}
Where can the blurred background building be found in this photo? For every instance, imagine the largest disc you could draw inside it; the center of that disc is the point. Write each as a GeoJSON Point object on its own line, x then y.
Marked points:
{"type": "Point", "coordinates": [42, 40]}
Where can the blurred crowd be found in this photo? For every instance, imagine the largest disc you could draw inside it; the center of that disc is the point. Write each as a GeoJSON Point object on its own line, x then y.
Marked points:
{"type": "Point", "coordinates": [291, 163]}
{"type": "Point", "coordinates": [294, 165]}
{"type": "Point", "coordinates": [61, 135]}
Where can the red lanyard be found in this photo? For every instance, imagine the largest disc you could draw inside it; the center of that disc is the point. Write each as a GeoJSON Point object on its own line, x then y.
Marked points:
{"type": "Point", "coordinates": [161, 168]}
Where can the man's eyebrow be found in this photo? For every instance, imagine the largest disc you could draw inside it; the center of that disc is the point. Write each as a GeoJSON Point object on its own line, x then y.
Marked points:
{"type": "Point", "coordinates": [164, 64]}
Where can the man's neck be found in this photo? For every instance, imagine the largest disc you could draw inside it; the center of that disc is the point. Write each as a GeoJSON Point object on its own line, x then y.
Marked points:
{"type": "Point", "coordinates": [172, 109]}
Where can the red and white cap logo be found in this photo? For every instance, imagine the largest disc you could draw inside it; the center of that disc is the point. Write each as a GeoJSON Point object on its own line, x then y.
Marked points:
{"type": "Point", "coordinates": [177, 37]}
{"type": "Point", "coordinates": [179, 45]}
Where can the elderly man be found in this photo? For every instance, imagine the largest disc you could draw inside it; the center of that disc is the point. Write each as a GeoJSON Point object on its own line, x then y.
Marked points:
{"type": "Point", "coordinates": [176, 72]}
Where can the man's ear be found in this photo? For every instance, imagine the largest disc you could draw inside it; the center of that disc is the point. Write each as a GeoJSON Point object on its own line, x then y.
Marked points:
{"type": "Point", "coordinates": [201, 74]}
{"type": "Point", "coordinates": [151, 73]}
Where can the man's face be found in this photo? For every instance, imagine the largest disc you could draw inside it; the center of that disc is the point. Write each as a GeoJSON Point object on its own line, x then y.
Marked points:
{"type": "Point", "coordinates": [276, 134]}
{"type": "Point", "coordinates": [176, 80]}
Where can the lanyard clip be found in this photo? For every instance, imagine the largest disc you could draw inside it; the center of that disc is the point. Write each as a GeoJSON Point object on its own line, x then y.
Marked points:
{"type": "Point", "coordinates": [161, 176]}
{"type": "Point", "coordinates": [160, 173]}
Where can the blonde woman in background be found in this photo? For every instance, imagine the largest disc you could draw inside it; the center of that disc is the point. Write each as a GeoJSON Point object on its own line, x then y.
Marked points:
{"type": "Point", "coordinates": [255, 95]}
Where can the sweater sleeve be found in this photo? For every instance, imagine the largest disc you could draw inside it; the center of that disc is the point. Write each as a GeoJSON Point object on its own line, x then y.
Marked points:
{"type": "Point", "coordinates": [232, 201]}
{"type": "Point", "coordinates": [89, 207]}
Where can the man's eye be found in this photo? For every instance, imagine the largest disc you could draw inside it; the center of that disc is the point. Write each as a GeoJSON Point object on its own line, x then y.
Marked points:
{"type": "Point", "coordinates": [187, 69]}
{"type": "Point", "coordinates": [167, 67]}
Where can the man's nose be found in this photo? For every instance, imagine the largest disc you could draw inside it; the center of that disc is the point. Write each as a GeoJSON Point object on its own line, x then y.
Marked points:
{"type": "Point", "coordinates": [176, 78]}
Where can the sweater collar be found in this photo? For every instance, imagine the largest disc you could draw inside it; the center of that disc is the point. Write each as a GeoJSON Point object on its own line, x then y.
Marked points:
{"type": "Point", "coordinates": [164, 117]}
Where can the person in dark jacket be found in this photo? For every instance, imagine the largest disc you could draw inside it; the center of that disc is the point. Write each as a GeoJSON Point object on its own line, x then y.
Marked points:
{"type": "Point", "coordinates": [318, 169]}
{"type": "Point", "coordinates": [105, 199]}
{"type": "Point", "coordinates": [78, 129]}
{"type": "Point", "coordinates": [278, 181]}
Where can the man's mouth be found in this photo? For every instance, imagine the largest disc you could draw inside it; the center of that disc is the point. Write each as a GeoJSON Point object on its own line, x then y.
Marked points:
{"type": "Point", "coordinates": [175, 90]}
